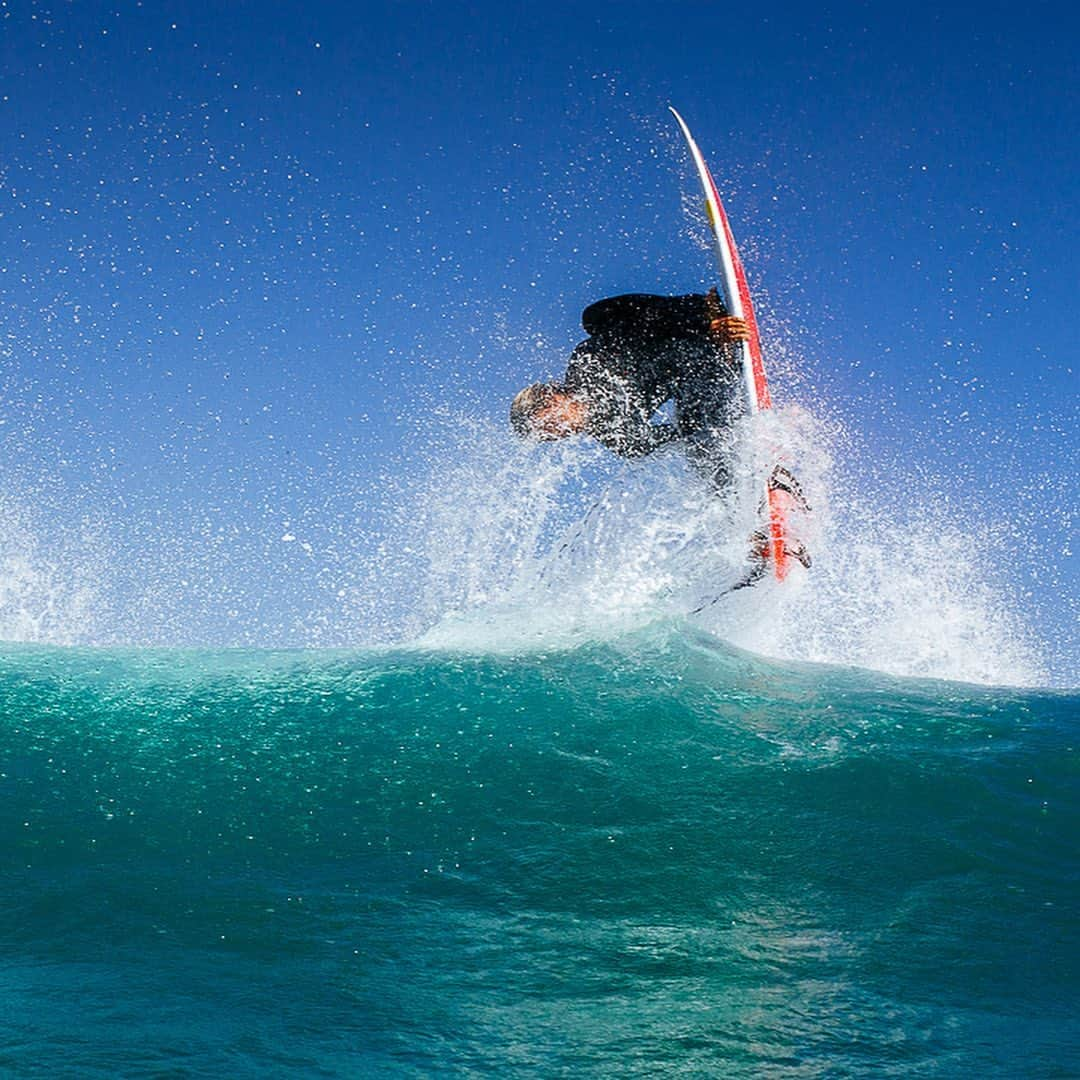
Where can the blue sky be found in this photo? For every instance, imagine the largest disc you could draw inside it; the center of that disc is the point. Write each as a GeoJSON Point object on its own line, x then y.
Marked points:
{"type": "Point", "coordinates": [242, 242]}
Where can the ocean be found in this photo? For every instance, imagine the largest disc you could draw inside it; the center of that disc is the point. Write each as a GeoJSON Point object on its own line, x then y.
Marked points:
{"type": "Point", "coordinates": [652, 854]}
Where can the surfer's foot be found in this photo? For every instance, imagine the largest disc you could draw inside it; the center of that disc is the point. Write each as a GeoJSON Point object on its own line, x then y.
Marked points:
{"type": "Point", "coordinates": [781, 479]}
{"type": "Point", "coordinates": [759, 553]}
{"type": "Point", "coordinates": [759, 561]}
{"type": "Point", "coordinates": [797, 550]}
{"type": "Point", "coordinates": [759, 546]}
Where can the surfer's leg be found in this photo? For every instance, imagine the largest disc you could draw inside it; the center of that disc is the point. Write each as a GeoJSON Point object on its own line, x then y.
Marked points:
{"type": "Point", "coordinates": [705, 413]}
{"type": "Point", "coordinates": [709, 454]}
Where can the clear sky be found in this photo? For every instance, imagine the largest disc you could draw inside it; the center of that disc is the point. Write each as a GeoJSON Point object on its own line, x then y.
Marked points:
{"type": "Point", "coordinates": [247, 245]}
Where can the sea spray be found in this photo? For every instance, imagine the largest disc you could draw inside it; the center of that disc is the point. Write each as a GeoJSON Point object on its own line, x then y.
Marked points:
{"type": "Point", "coordinates": [483, 541]}
{"type": "Point", "coordinates": [898, 583]}
{"type": "Point", "coordinates": [52, 583]}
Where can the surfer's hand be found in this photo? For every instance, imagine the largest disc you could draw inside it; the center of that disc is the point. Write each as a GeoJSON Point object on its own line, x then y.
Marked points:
{"type": "Point", "coordinates": [729, 329]}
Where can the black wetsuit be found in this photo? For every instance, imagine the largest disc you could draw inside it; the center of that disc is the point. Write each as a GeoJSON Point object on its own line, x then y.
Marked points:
{"type": "Point", "coordinates": [643, 351]}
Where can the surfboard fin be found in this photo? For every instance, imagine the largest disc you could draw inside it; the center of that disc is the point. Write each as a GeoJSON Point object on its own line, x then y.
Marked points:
{"type": "Point", "coordinates": [759, 565]}
{"type": "Point", "coordinates": [783, 479]}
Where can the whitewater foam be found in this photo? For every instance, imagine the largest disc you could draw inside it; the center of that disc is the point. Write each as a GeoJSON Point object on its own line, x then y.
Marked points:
{"type": "Point", "coordinates": [905, 590]}
{"type": "Point", "coordinates": [50, 590]}
{"type": "Point", "coordinates": [495, 545]}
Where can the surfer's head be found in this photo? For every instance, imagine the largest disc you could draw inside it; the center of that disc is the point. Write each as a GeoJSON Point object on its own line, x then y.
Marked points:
{"type": "Point", "coordinates": [546, 411]}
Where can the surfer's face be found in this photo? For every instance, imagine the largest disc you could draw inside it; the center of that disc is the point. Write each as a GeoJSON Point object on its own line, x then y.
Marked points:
{"type": "Point", "coordinates": [563, 415]}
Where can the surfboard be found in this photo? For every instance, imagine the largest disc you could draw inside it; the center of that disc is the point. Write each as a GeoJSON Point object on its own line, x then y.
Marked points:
{"type": "Point", "coordinates": [780, 487]}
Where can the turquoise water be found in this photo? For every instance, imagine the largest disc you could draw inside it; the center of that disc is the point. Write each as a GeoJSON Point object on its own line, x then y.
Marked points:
{"type": "Point", "coordinates": [650, 856]}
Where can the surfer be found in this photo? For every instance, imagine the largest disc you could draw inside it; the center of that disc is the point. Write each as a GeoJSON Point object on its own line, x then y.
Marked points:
{"type": "Point", "coordinates": [642, 352]}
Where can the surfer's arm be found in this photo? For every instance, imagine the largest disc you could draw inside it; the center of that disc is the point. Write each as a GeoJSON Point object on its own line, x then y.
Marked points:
{"type": "Point", "coordinates": [647, 438]}
{"type": "Point", "coordinates": [628, 436]}
{"type": "Point", "coordinates": [623, 427]}
{"type": "Point", "coordinates": [618, 410]}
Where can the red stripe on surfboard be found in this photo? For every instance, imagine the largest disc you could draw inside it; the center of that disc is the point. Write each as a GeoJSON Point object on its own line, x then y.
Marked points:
{"type": "Point", "coordinates": [757, 361]}
{"type": "Point", "coordinates": [778, 508]}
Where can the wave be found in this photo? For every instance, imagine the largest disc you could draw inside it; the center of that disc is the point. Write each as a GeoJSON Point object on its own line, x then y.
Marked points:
{"type": "Point", "coordinates": [669, 684]}
{"type": "Point", "coordinates": [657, 850]}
